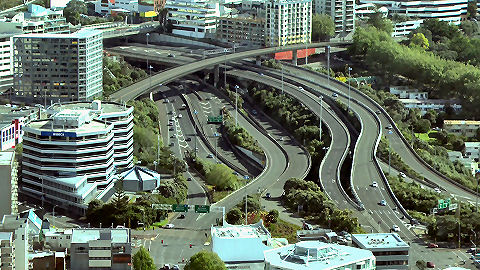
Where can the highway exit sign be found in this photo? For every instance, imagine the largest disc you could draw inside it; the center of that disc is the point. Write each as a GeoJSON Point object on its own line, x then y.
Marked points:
{"type": "Point", "coordinates": [202, 208]}
{"type": "Point", "coordinates": [180, 207]}
{"type": "Point", "coordinates": [442, 204]}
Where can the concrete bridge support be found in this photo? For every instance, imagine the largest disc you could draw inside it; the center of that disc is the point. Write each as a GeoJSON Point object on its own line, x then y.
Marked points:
{"type": "Point", "coordinates": [216, 74]}
{"type": "Point", "coordinates": [294, 57]}
{"type": "Point", "coordinates": [258, 60]}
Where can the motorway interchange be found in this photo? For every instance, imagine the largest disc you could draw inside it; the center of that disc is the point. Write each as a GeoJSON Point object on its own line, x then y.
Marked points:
{"type": "Point", "coordinates": [285, 158]}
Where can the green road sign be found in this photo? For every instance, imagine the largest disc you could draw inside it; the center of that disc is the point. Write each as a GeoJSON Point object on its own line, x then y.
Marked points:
{"type": "Point", "coordinates": [442, 204]}
{"type": "Point", "coordinates": [202, 208]}
{"type": "Point", "coordinates": [180, 207]}
{"type": "Point", "coordinates": [215, 119]}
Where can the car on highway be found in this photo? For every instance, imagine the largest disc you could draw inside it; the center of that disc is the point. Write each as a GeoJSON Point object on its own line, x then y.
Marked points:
{"type": "Point", "coordinates": [210, 156]}
{"type": "Point", "coordinates": [261, 74]}
{"type": "Point", "coordinates": [383, 203]}
{"type": "Point", "coordinates": [169, 226]}
{"type": "Point", "coordinates": [189, 179]}
{"type": "Point", "coordinates": [182, 216]}
{"type": "Point", "coordinates": [184, 106]}
{"type": "Point", "coordinates": [171, 129]}
{"type": "Point", "coordinates": [165, 100]}
{"type": "Point", "coordinates": [395, 228]}
{"type": "Point", "coordinates": [437, 190]}
{"type": "Point", "coordinates": [172, 144]}
{"type": "Point", "coordinates": [254, 112]}
{"type": "Point", "coordinates": [179, 116]}
{"type": "Point", "coordinates": [335, 95]}
{"type": "Point", "coordinates": [171, 55]}
{"type": "Point", "coordinates": [389, 127]}
{"type": "Point", "coordinates": [403, 175]}
{"type": "Point", "coordinates": [430, 265]}
{"type": "Point", "coordinates": [173, 136]}
{"type": "Point", "coordinates": [268, 196]}
{"type": "Point", "coordinates": [432, 245]}
{"type": "Point", "coordinates": [188, 139]}
{"type": "Point", "coordinates": [300, 88]}
{"type": "Point", "coordinates": [374, 184]}
{"type": "Point", "coordinates": [378, 112]}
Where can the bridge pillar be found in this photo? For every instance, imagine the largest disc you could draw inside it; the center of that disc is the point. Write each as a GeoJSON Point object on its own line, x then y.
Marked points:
{"type": "Point", "coordinates": [294, 57]}
{"type": "Point", "coordinates": [258, 60]}
{"type": "Point", "coordinates": [216, 74]}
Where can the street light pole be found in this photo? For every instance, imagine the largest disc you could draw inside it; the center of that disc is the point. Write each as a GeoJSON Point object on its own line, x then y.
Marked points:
{"type": "Point", "coordinates": [328, 64]}
{"type": "Point", "coordinates": [389, 150]}
{"type": "Point", "coordinates": [349, 69]}
{"type": "Point", "coordinates": [282, 79]}
{"type": "Point", "coordinates": [216, 135]}
{"type": "Point", "coordinates": [320, 125]}
{"type": "Point", "coordinates": [225, 71]}
{"type": "Point", "coordinates": [196, 112]}
{"type": "Point", "coordinates": [148, 34]}
{"type": "Point", "coordinates": [306, 51]}
{"type": "Point", "coordinates": [150, 77]}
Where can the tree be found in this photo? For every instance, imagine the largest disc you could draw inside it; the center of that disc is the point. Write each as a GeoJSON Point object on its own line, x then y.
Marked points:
{"type": "Point", "coordinates": [472, 8]}
{"type": "Point", "coordinates": [469, 28]}
{"type": "Point", "coordinates": [421, 126]}
{"type": "Point", "coordinates": [222, 177]}
{"type": "Point", "coordinates": [419, 40]}
{"type": "Point", "coordinates": [272, 216]}
{"type": "Point", "coordinates": [205, 260]}
{"type": "Point", "coordinates": [73, 10]}
{"type": "Point", "coordinates": [322, 27]}
{"type": "Point", "coordinates": [234, 216]}
{"type": "Point", "coordinates": [379, 21]}
{"type": "Point", "coordinates": [142, 260]}
{"type": "Point", "coordinates": [120, 200]}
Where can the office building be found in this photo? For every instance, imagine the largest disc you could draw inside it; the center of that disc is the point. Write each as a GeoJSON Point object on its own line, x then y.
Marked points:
{"type": "Point", "coordinates": [342, 13]}
{"type": "Point", "coordinates": [58, 240]}
{"type": "Point", "coordinates": [467, 128]}
{"type": "Point", "coordinates": [67, 159]}
{"type": "Point", "coordinates": [109, 7]}
{"type": "Point", "coordinates": [7, 251]}
{"type": "Point", "coordinates": [452, 11]}
{"type": "Point", "coordinates": [408, 93]}
{"type": "Point", "coordinates": [390, 251]}
{"type": "Point", "coordinates": [250, 242]}
{"type": "Point", "coordinates": [14, 242]}
{"type": "Point", "coordinates": [57, 67]}
{"type": "Point", "coordinates": [121, 116]}
{"type": "Point", "coordinates": [425, 105]}
{"type": "Point", "coordinates": [139, 179]}
{"type": "Point", "coordinates": [318, 255]}
{"type": "Point", "coordinates": [9, 184]}
{"type": "Point", "coordinates": [101, 248]}
{"type": "Point", "coordinates": [6, 59]}
{"type": "Point", "coordinates": [288, 22]}
{"type": "Point", "coordinates": [241, 29]}
{"type": "Point", "coordinates": [194, 18]}
{"type": "Point", "coordinates": [47, 260]}
{"type": "Point", "coordinates": [12, 121]}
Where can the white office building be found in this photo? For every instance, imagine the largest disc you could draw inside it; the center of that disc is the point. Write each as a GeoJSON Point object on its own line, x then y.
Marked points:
{"type": "Point", "coordinates": [408, 93]}
{"type": "Point", "coordinates": [250, 242]}
{"type": "Point", "coordinates": [67, 159]}
{"type": "Point", "coordinates": [121, 116]}
{"type": "Point", "coordinates": [14, 243]}
{"type": "Point", "coordinates": [109, 7]}
{"type": "Point", "coordinates": [194, 18]}
{"type": "Point", "coordinates": [452, 11]}
{"type": "Point", "coordinates": [390, 251]}
{"type": "Point", "coordinates": [6, 59]}
{"type": "Point", "coordinates": [52, 67]}
{"type": "Point", "coordinates": [318, 255]}
{"type": "Point", "coordinates": [9, 184]}
{"type": "Point", "coordinates": [288, 22]}
{"type": "Point", "coordinates": [342, 13]}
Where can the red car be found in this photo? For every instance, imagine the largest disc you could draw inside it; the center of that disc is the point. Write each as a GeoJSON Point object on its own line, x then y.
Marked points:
{"type": "Point", "coordinates": [430, 265]}
{"type": "Point", "coordinates": [432, 245]}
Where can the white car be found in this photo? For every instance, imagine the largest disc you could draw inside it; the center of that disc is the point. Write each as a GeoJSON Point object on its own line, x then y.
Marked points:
{"type": "Point", "coordinates": [301, 88]}
{"type": "Point", "coordinates": [402, 175]}
{"type": "Point", "coordinates": [395, 228]}
{"type": "Point", "coordinates": [437, 190]}
{"type": "Point", "coordinates": [374, 184]}
{"type": "Point", "coordinates": [179, 116]}
{"type": "Point", "coordinates": [169, 226]}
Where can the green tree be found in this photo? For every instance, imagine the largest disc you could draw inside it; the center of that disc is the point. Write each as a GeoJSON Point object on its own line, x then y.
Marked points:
{"type": "Point", "coordinates": [205, 260]}
{"type": "Point", "coordinates": [469, 28]}
{"type": "Point", "coordinates": [234, 216]}
{"type": "Point", "coordinates": [323, 27]}
{"type": "Point", "coordinates": [420, 41]}
{"type": "Point", "coordinates": [472, 9]}
{"type": "Point", "coordinates": [272, 216]}
{"type": "Point", "coordinates": [120, 199]}
{"type": "Point", "coordinates": [379, 21]}
{"type": "Point", "coordinates": [73, 10]}
{"type": "Point", "coordinates": [142, 260]}
{"type": "Point", "coordinates": [222, 177]}
{"type": "Point", "coordinates": [421, 126]}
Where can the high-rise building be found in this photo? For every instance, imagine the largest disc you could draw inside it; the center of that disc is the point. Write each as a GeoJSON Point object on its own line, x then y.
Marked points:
{"type": "Point", "coordinates": [101, 249]}
{"type": "Point", "coordinates": [57, 67]}
{"type": "Point", "coordinates": [342, 13]}
{"type": "Point", "coordinates": [7, 251]}
{"type": "Point", "coordinates": [390, 251]}
{"type": "Point", "coordinates": [68, 159]}
{"type": "Point", "coordinates": [9, 184]}
{"type": "Point", "coordinates": [241, 29]}
{"type": "Point", "coordinates": [288, 22]}
{"type": "Point", "coordinates": [6, 58]}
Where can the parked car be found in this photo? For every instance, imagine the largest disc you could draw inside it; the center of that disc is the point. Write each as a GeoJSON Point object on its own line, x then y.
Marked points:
{"type": "Point", "coordinates": [389, 127]}
{"type": "Point", "coordinates": [179, 116]}
{"type": "Point", "coordinates": [169, 226]}
{"type": "Point", "coordinates": [171, 55]}
{"type": "Point", "coordinates": [432, 245]}
{"type": "Point", "coordinates": [166, 266]}
{"type": "Point", "coordinates": [184, 106]}
{"type": "Point", "coordinates": [438, 190]}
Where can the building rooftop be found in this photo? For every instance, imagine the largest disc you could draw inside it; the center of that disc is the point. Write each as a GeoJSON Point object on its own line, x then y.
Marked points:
{"type": "Point", "coordinates": [46, 125]}
{"type": "Point", "coordinates": [106, 107]}
{"type": "Point", "coordinates": [471, 144]}
{"type": "Point", "coordinates": [461, 122]}
{"type": "Point", "coordinates": [318, 255]}
{"type": "Point", "coordinates": [86, 235]}
{"type": "Point", "coordinates": [379, 241]}
{"type": "Point", "coordinates": [429, 101]}
{"type": "Point", "coordinates": [6, 158]}
{"type": "Point", "coordinates": [140, 174]}
{"type": "Point", "coordinates": [6, 236]}
{"type": "Point", "coordinates": [241, 231]}
{"type": "Point", "coordinates": [83, 33]}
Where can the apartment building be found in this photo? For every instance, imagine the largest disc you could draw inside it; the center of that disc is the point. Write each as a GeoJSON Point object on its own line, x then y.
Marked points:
{"type": "Point", "coordinates": [7, 251]}
{"type": "Point", "coordinates": [67, 159]}
{"type": "Point", "coordinates": [342, 13]}
{"type": "Point", "coordinates": [6, 59]}
{"type": "Point", "coordinates": [194, 18]}
{"type": "Point", "coordinates": [57, 67]}
{"type": "Point", "coordinates": [242, 29]}
{"type": "Point", "coordinates": [14, 242]}
{"type": "Point", "coordinates": [452, 11]}
{"type": "Point", "coordinates": [425, 105]}
{"type": "Point", "coordinates": [288, 22]}
{"type": "Point", "coordinates": [120, 115]}
{"type": "Point", "coordinates": [9, 184]}
{"type": "Point", "coordinates": [12, 121]}
{"type": "Point", "coordinates": [108, 7]}
{"type": "Point", "coordinates": [390, 251]}
{"type": "Point", "coordinates": [318, 255]}
{"type": "Point", "coordinates": [408, 93]}
{"type": "Point", "coordinates": [101, 249]}
{"type": "Point", "coordinates": [467, 128]}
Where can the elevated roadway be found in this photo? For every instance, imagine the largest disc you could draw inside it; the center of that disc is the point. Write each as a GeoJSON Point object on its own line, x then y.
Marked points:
{"type": "Point", "coordinates": [142, 87]}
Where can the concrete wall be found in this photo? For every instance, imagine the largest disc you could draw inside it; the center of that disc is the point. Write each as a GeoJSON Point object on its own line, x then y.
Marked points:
{"type": "Point", "coordinates": [161, 38]}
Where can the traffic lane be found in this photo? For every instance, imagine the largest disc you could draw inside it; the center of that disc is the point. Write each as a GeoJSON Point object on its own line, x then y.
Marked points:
{"type": "Point", "coordinates": [340, 141]}
{"type": "Point", "coordinates": [396, 142]}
